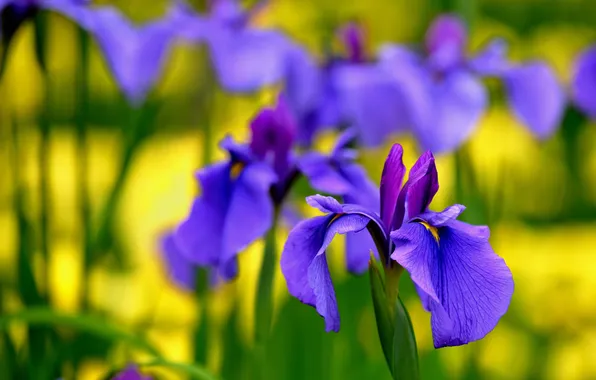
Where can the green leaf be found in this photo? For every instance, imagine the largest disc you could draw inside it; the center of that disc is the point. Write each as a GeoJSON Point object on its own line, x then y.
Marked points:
{"type": "Point", "coordinates": [405, 353]}
{"type": "Point", "coordinates": [41, 316]}
{"type": "Point", "coordinates": [194, 371]}
{"type": "Point", "coordinates": [264, 299]}
{"type": "Point", "coordinates": [385, 326]}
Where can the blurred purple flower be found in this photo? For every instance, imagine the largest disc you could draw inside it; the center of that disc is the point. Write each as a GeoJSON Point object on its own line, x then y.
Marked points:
{"type": "Point", "coordinates": [240, 196]}
{"type": "Point", "coordinates": [441, 94]}
{"type": "Point", "coordinates": [245, 58]}
{"type": "Point", "coordinates": [135, 54]}
{"type": "Point", "coordinates": [344, 91]}
{"type": "Point", "coordinates": [131, 373]}
{"type": "Point", "coordinates": [461, 281]}
{"type": "Point", "coordinates": [584, 82]}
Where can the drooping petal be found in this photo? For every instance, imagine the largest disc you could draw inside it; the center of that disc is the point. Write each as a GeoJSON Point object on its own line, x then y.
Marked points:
{"type": "Point", "coordinates": [359, 244]}
{"type": "Point", "coordinates": [304, 265]}
{"type": "Point", "coordinates": [468, 287]}
{"type": "Point", "coordinates": [536, 97]}
{"type": "Point", "coordinates": [459, 100]}
{"type": "Point", "coordinates": [199, 236]}
{"type": "Point", "coordinates": [246, 60]}
{"type": "Point", "coordinates": [391, 181]}
{"type": "Point", "coordinates": [250, 210]}
{"type": "Point", "coordinates": [180, 270]}
{"type": "Point", "coordinates": [584, 82]}
{"type": "Point", "coordinates": [446, 40]}
{"type": "Point", "coordinates": [439, 219]}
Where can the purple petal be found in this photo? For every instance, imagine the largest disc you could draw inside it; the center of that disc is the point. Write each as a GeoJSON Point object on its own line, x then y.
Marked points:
{"type": "Point", "coordinates": [360, 244]}
{"type": "Point", "coordinates": [468, 286]}
{"type": "Point", "coordinates": [584, 82]}
{"type": "Point", "coordinates": [190, 26]}
{"type": "Point", "coordinates": [391, 181]}
{"type": "Point", "coordinates": [536, 97]}
{"type": "Point", "coordinates": [135, 54]}
{"type": "Point", "coordinates": [246, 60]}
{"type": "Point", "coordinates": [250, 210]}
{"type": "Point", "coordinates": [131, 373]}
{"type": "Point", "coordinates": [76, 10]}
{"type": "Point", "coordinates": [446, 41]}
{"type": "Point", "coordinates": [273, 131]}
{"type": "Point", "coordinates": [459, 101]}
{"type": "Point", "coordinates": [343, 141]}
{"type": "Point", "coordinates": [304, 265]}
{"type": "Point", "coordinates": [322, 175]}
{"type": "Point", "coordinates": [439, 219]}
{"type": "Point", "coordinates": [352, 37]}
{"type": "Point", "coordinates": [238, 152]}
{"type": "Point", "coordinates": [181, 271]}
{"type": "Point", "coordinates": [199, 236]}
{"type": "Point", "coordinates": [324, 204]}
{"type": "Point", "coordinates": [371, 100]}
{"type": "Point", "coordinates": [302, 81]}
{"type": "Point", "coordinates": [491, 61]}
{"type": "Point", "coordinates": [420, 189]}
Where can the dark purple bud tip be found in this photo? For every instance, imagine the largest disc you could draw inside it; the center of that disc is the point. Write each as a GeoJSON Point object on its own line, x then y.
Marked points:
{"type": "Point", "coordinates": [352, 37]}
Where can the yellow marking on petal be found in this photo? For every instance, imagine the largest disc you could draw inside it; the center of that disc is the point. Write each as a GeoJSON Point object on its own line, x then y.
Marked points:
{"type": "Point", "coordinates": [335, 217]}
{"type": "Point", "coordinates": [433, 230]}
{"type": "Point", "coordinates": [236, 169]}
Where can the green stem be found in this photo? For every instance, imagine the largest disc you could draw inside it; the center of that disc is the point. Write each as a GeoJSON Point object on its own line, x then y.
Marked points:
{"type": "Point", "coordinates": [44, 149]}
{"type": "Point", "coordinates": [82, 164]}
{"type": "Point", "coordinates": [264, 301]}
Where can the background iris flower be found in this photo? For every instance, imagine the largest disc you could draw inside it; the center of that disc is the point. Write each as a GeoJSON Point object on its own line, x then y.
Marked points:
{"type": "Point", "coordinates": [241, 197]}
{"type": "Point", "coordinates": [460, 280]}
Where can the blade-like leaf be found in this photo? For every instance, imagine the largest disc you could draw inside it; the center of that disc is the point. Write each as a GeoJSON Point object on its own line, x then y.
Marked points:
{"type": "Point", "coordinates": [405, 353]}
{"type": "Point", "coordinates": [385, 326]}
{"type": "Point", "coordinates": [42, 316]}
{"type": "Point", "coordinates": [194, 371]}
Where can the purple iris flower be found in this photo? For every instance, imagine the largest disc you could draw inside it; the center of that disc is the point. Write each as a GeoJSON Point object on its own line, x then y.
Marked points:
{"type": "Point", "coordinates": [460, 279]}
{"type": "Point", "coordinates": [440, 95]}
{"type": "Point", "coordinates": [245, 58]}
{"type": "Point", "coordinates": [131, 373]}
{"type": "Point", "coordinates": [241, 196]}
{"type": "Point", "coordinates": [584, 82]}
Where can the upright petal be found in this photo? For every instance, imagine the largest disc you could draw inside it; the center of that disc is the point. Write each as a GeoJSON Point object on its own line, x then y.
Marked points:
{"type": "Point", "coordinates": [302, 82]}
{"type": "Point", "coordinates": [352, 37]}
{"type": "Point", "coordinates": [420, 189]}
{"type": "Point", "coordinates": [391, 181]}
{"type": "Point", "coordinates": [467, 286]}
{"type": "Point", "coordinates": [190, 26]}
{"type": "Point", "coordinates": [584, 82]}
{"type": "Point", "coordinates": [131, 373]}
{"type": "Point", "coordinates": [446, 40]}
{"type": "Point", "coordinates": [180, 270]}
{"type": "Point", "coordinates": [459, 101]}
{"type": "Point", "coordinates": [199, 236]}
{"type": "Point", "coordinates": [304, 265]}
{"type": "Point", "coordinates": [250, 211]}
{"type": "Point", "coordinates": [536, 97]}
{"type": "Point", "coordinates": [273, 131]}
